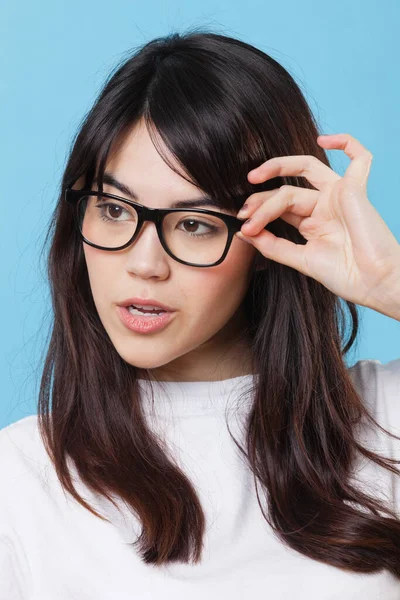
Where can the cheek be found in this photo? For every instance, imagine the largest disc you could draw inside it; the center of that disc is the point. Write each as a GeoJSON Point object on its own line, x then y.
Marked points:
{"type": "Point", "coordinates": [236, 268]}
{"type": "Point", "coordinates": [225, 284]}
{"type": "Point", "coordinates": [101, 268]}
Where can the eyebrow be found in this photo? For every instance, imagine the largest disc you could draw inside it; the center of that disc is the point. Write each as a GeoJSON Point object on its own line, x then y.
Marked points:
{"type": "Point", "coordinates": [190, 203]}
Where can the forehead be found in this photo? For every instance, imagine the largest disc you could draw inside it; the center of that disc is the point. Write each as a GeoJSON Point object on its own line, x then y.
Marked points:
{"type": "Point", "coordinates": [135, 159]}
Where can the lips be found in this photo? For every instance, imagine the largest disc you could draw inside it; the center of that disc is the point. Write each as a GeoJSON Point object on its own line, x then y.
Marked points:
{"type": "Point", "coordinates": [143, 324]}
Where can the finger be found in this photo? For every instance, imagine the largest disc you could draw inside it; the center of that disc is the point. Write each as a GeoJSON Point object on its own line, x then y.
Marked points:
{"type": "Point", "coordinates": [292, 219]}
{"type": "Point", "coordinates": [310, 167]}
{"type": "Point", "coordinates": [254, 201]}
{"type": "Point", "coordinates": [361, 158]}
{"type": "Point", "coordinates": [287, 199]}
{"type": "Point", "coordinates": [279, 249]}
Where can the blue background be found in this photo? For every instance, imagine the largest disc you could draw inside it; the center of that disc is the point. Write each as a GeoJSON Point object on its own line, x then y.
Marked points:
{"type": "Point", "coordinates": [54, 59]}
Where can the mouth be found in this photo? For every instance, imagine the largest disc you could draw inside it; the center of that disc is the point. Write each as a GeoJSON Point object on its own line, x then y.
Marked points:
{"type": "Point", "coordinates": [148, 306]}
{"type": "Point", "coordinates": [142, 321]}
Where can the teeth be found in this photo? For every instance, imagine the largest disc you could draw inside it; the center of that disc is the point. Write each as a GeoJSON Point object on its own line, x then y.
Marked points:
{"type": "Point", "coordinates": [134, 311]}
{"type": "Point", "coordinates": [146, 307]}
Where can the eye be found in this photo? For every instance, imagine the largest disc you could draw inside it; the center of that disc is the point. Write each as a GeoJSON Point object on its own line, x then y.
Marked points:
{"type": "Point", "coordinates": [191, 226]}
{"type": "Point", "coordinates": [114, 211]}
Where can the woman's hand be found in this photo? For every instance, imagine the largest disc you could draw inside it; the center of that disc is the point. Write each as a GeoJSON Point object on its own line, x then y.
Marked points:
{"type": "Point", "coordinates": [349, 248]}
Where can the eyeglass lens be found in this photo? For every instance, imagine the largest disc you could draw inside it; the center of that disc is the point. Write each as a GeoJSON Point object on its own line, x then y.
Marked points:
{"type": "Point", "coordinates": [192, 237]}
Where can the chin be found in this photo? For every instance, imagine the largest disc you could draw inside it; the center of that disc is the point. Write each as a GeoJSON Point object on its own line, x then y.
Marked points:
{"type": "Point", "coordinates": [140, 361]}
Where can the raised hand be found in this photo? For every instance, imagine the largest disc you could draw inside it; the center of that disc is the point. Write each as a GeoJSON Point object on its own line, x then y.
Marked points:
{"type": "Point", "coordinates": [349, 249]}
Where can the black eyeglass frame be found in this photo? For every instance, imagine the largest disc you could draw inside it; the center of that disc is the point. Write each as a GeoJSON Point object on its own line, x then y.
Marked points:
{"type": "Point", "coordinates": [156, 216]}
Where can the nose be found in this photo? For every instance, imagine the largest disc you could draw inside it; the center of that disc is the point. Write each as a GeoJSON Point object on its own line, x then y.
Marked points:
{"type": "Point", "coordinates": [146, 255]}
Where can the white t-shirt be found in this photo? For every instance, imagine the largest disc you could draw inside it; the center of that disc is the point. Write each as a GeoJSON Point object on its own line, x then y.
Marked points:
{"type": "Point", "coordinates": [52, 548]}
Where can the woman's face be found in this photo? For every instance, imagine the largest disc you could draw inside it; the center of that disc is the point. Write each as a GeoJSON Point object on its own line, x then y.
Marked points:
{"type": "Point", "coordinates": [200, 342]}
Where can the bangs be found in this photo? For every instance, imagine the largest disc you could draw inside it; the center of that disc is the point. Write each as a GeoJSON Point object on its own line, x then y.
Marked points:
{"type": "Point", "coordinates": [215, 134]}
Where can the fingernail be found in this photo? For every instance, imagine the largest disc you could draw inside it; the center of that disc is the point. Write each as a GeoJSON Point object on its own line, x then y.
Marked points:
{"type": "Point", "coordinates": [244, 239]}
{"type": "Point", "coordinates": [241, 237]}
{"type": "Point", "coordinates": [243, 210]}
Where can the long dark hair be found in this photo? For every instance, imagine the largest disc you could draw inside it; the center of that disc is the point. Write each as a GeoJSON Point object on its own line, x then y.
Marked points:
{"type": "Point", "coordinates": [222, 107]}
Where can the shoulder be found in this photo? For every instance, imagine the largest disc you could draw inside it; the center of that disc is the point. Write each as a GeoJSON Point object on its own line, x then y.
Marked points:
{"type": "Point", "coordinates": [379, 385]}
{"type": "Point", "coordinates": [22, 432]}
{"type": "Point", "coordinates": [21, 459]}
{"type": "Point", "coordinates": [21, 449]}
{"type": "Point", "coordinates": [28, 423]}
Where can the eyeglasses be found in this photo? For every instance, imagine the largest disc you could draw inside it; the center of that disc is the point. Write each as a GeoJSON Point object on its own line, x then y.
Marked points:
{"type": "Point", "coordinates": [196, 237]}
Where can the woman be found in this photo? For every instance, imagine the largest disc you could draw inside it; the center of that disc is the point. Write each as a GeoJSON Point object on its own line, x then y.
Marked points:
{"type": "Point", "coordinates": [131, 482]}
